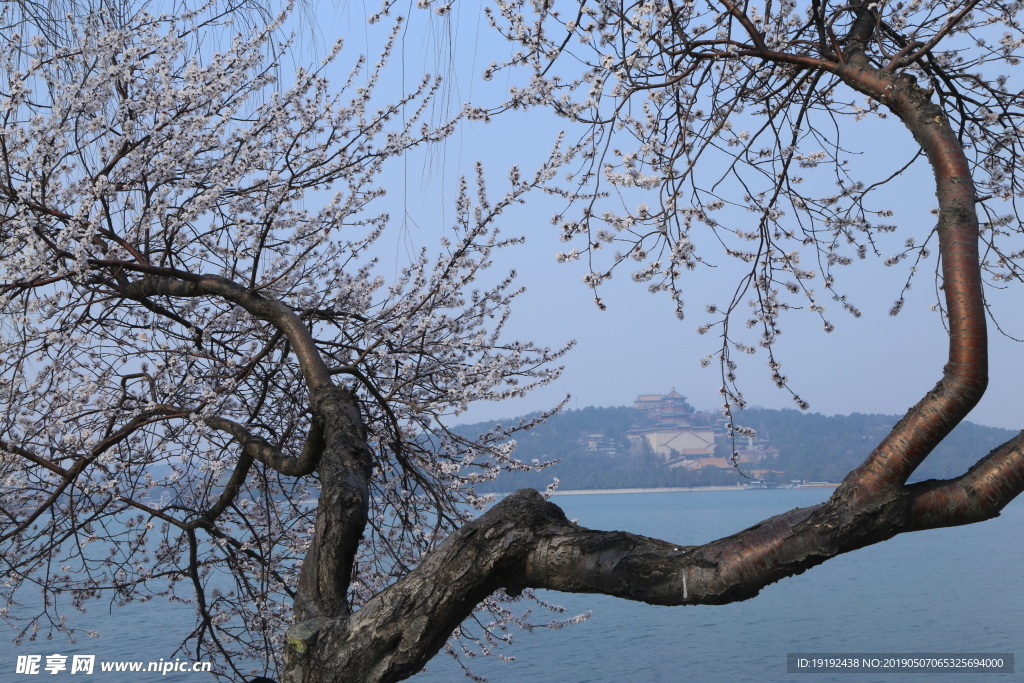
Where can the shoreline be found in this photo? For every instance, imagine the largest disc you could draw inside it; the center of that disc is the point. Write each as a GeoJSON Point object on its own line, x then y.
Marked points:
{"type": "Point", "coordinates": [665, 489]}
{"type": "Point", "coordinates": [675, 489]}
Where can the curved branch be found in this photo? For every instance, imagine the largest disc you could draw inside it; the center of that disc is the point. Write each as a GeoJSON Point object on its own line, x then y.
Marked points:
{"type": "Point", "coordinates": [260, 449]}
{"type": "Point", "coordinates": [965, 375]}
{"type": "Point", "coordinates": [161, 281]}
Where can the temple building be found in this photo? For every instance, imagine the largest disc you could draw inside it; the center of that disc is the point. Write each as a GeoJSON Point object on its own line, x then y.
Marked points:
{"type": "Point", "coordinates": [667, 424]}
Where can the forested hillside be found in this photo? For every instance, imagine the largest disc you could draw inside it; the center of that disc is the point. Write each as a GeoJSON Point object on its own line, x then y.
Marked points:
{"type": "Point", "coordinates": [811, 447]}
{"type": "Point", "coordinates": [821, 448]}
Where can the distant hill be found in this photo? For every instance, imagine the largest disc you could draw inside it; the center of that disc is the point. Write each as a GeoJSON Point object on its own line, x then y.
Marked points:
{"type": "Point", "coordinates": [816, 447]}
{"type": "Point", "coordinates": [811, 447]}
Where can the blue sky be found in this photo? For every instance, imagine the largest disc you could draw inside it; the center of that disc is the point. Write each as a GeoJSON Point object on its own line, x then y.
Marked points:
{"type": "Point", "coordinates": [875, 364]}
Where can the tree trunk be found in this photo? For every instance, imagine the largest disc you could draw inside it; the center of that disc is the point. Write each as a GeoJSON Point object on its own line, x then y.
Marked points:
{"type": "Point", "coordinates": [343, 469]}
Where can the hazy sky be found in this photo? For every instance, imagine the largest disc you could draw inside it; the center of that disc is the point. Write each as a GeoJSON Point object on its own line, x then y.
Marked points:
{"type": "Point", "coordinates": [875, 364]}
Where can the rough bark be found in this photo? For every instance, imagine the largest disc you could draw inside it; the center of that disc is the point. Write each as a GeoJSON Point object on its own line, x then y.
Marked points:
{"type": "Point", "coordinates": [344, 470]}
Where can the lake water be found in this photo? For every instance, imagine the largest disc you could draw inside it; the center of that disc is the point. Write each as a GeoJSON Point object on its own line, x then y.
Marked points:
{"type": "Point", "coordinates": [943, 591]}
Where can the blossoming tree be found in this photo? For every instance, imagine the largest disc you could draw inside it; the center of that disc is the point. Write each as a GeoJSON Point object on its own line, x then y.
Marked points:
{"type": "Point", "coordinates": [170, 300]}
{"type": "Point", "coordinates": [202, 370]}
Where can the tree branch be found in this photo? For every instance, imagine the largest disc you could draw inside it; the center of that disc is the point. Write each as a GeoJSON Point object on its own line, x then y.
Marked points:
{"type": "Point", "coordinates": [260, 449]}
{"type": "Point", "coordinates": [965, 375]}
{"type": "Point", "coordinates": [344, 469]}
{"type": "Point", "coordinates": [527, 542]}
{"type": "Point", "coordinates": [975, 496]}
{"type": "Point", "coordinates": [175, 283]}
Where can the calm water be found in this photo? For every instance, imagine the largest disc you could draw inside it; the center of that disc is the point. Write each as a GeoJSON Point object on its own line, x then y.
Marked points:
{"type": "Point", "coordinates": [949, 590]}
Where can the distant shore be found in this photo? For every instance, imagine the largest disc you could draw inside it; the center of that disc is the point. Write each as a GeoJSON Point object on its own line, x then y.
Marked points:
{"type": "Point", "coordinates": [673, 489]}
